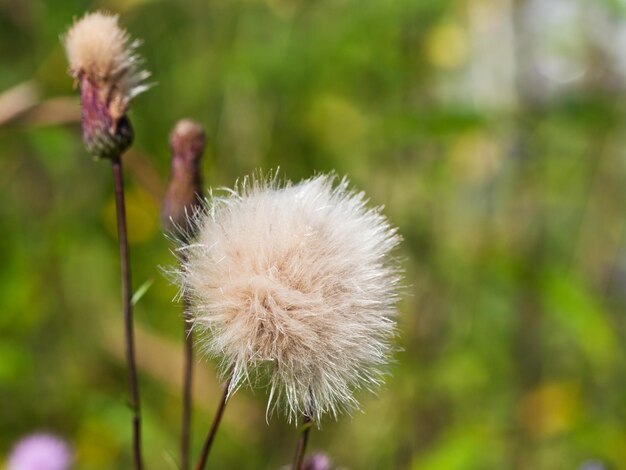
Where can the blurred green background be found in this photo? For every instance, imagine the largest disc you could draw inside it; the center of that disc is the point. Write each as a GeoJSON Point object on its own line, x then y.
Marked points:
{"type": "Point", "coordinates": [493, 131]}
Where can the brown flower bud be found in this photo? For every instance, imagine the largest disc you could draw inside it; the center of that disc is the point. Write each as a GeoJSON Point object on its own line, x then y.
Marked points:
{"type": "Point", "coordinates": [184, 192]}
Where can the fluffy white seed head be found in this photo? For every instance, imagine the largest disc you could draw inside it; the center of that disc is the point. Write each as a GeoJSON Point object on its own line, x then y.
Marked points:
{"type": "Point", "coordinates": [294, 284]}
{"type": "Point", "coordinates": [99, 49]}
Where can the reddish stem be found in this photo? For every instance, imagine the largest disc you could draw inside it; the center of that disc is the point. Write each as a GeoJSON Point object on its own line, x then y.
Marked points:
{"type": "Point", "coordinates": [214, 426]}
{"type": "Point", "coordinates": [187, 389]}
{"type": "Point", "coordinates": [302, 442]}
{"type": "Point", "coordinates": [127, 307]}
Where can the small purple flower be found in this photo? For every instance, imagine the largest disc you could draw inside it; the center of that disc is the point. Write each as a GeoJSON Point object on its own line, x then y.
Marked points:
{"type": "Point", "coordinates": [40, 451]}
{"type": "Point", "coordinates": [592, 465]}
{"type": "Point", "coordinates": [317, 461]}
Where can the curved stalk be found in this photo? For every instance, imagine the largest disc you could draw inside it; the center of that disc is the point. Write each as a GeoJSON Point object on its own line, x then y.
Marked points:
{"type": "Point", "coordinates": [214, 426]}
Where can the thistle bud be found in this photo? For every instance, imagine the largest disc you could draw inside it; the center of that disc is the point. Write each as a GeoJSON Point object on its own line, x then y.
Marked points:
{"type": "Point", "coordinates": [104, 64]}
{"type": "Point", "coordinates": [184, 192]}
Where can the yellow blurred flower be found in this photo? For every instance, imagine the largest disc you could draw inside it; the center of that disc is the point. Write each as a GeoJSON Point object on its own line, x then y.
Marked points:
{"type": "Point", "coordinates": [476, 156]}
{"type": "Point", "coordinates": [142, 214]}
{"type": "Point", "coordinates": [549, 409]}
{"type": "Point", "coordinates": [446, 46]}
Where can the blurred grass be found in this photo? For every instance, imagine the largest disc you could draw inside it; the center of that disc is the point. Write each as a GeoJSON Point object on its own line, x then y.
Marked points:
{"type": "Point", "coordinates": [511, 205]}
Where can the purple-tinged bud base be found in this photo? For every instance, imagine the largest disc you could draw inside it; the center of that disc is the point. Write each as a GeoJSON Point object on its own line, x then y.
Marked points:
{"type": "Point", "coordinates": [104, 136]}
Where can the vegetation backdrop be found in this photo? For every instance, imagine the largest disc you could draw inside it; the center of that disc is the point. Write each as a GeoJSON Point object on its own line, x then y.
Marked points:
{"type": "Point", "coordinates": [493, 131]}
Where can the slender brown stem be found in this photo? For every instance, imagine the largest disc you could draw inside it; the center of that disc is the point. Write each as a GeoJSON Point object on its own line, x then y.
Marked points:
{"type": "Point", "coordinates": [214, 426]}
{"type": "Point", "coordinates": [302, 442]}
{"type": "Point", "coordinates": [187, 386]}
{"type": "Point", "coordinates": [118, 179]}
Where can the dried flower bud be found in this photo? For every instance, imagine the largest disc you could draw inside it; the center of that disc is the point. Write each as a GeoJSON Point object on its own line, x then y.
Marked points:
{"type": "Point", "coordinates": [296, 280]}
{"type": "Point", "coordinates": [103, 62]}
{"type": "Point", "coordinates": [40, 451]}
{"type": "Point", "coordinates": [184, 192]}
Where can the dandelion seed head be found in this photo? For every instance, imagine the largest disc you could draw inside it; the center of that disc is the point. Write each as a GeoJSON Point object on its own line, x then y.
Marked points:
{"type": "Point", "coordinates": [296, 281]}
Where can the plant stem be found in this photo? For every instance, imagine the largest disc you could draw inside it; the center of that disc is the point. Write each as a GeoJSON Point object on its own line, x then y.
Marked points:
{"type": "Point", "coordinates": [118, 179]}
{"type": "Point", "coordinates": [302, 442]}
{"type": "Point", "coordinates": [214, 426]}
{"type": "Point", "coordinates": [187, 387]}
